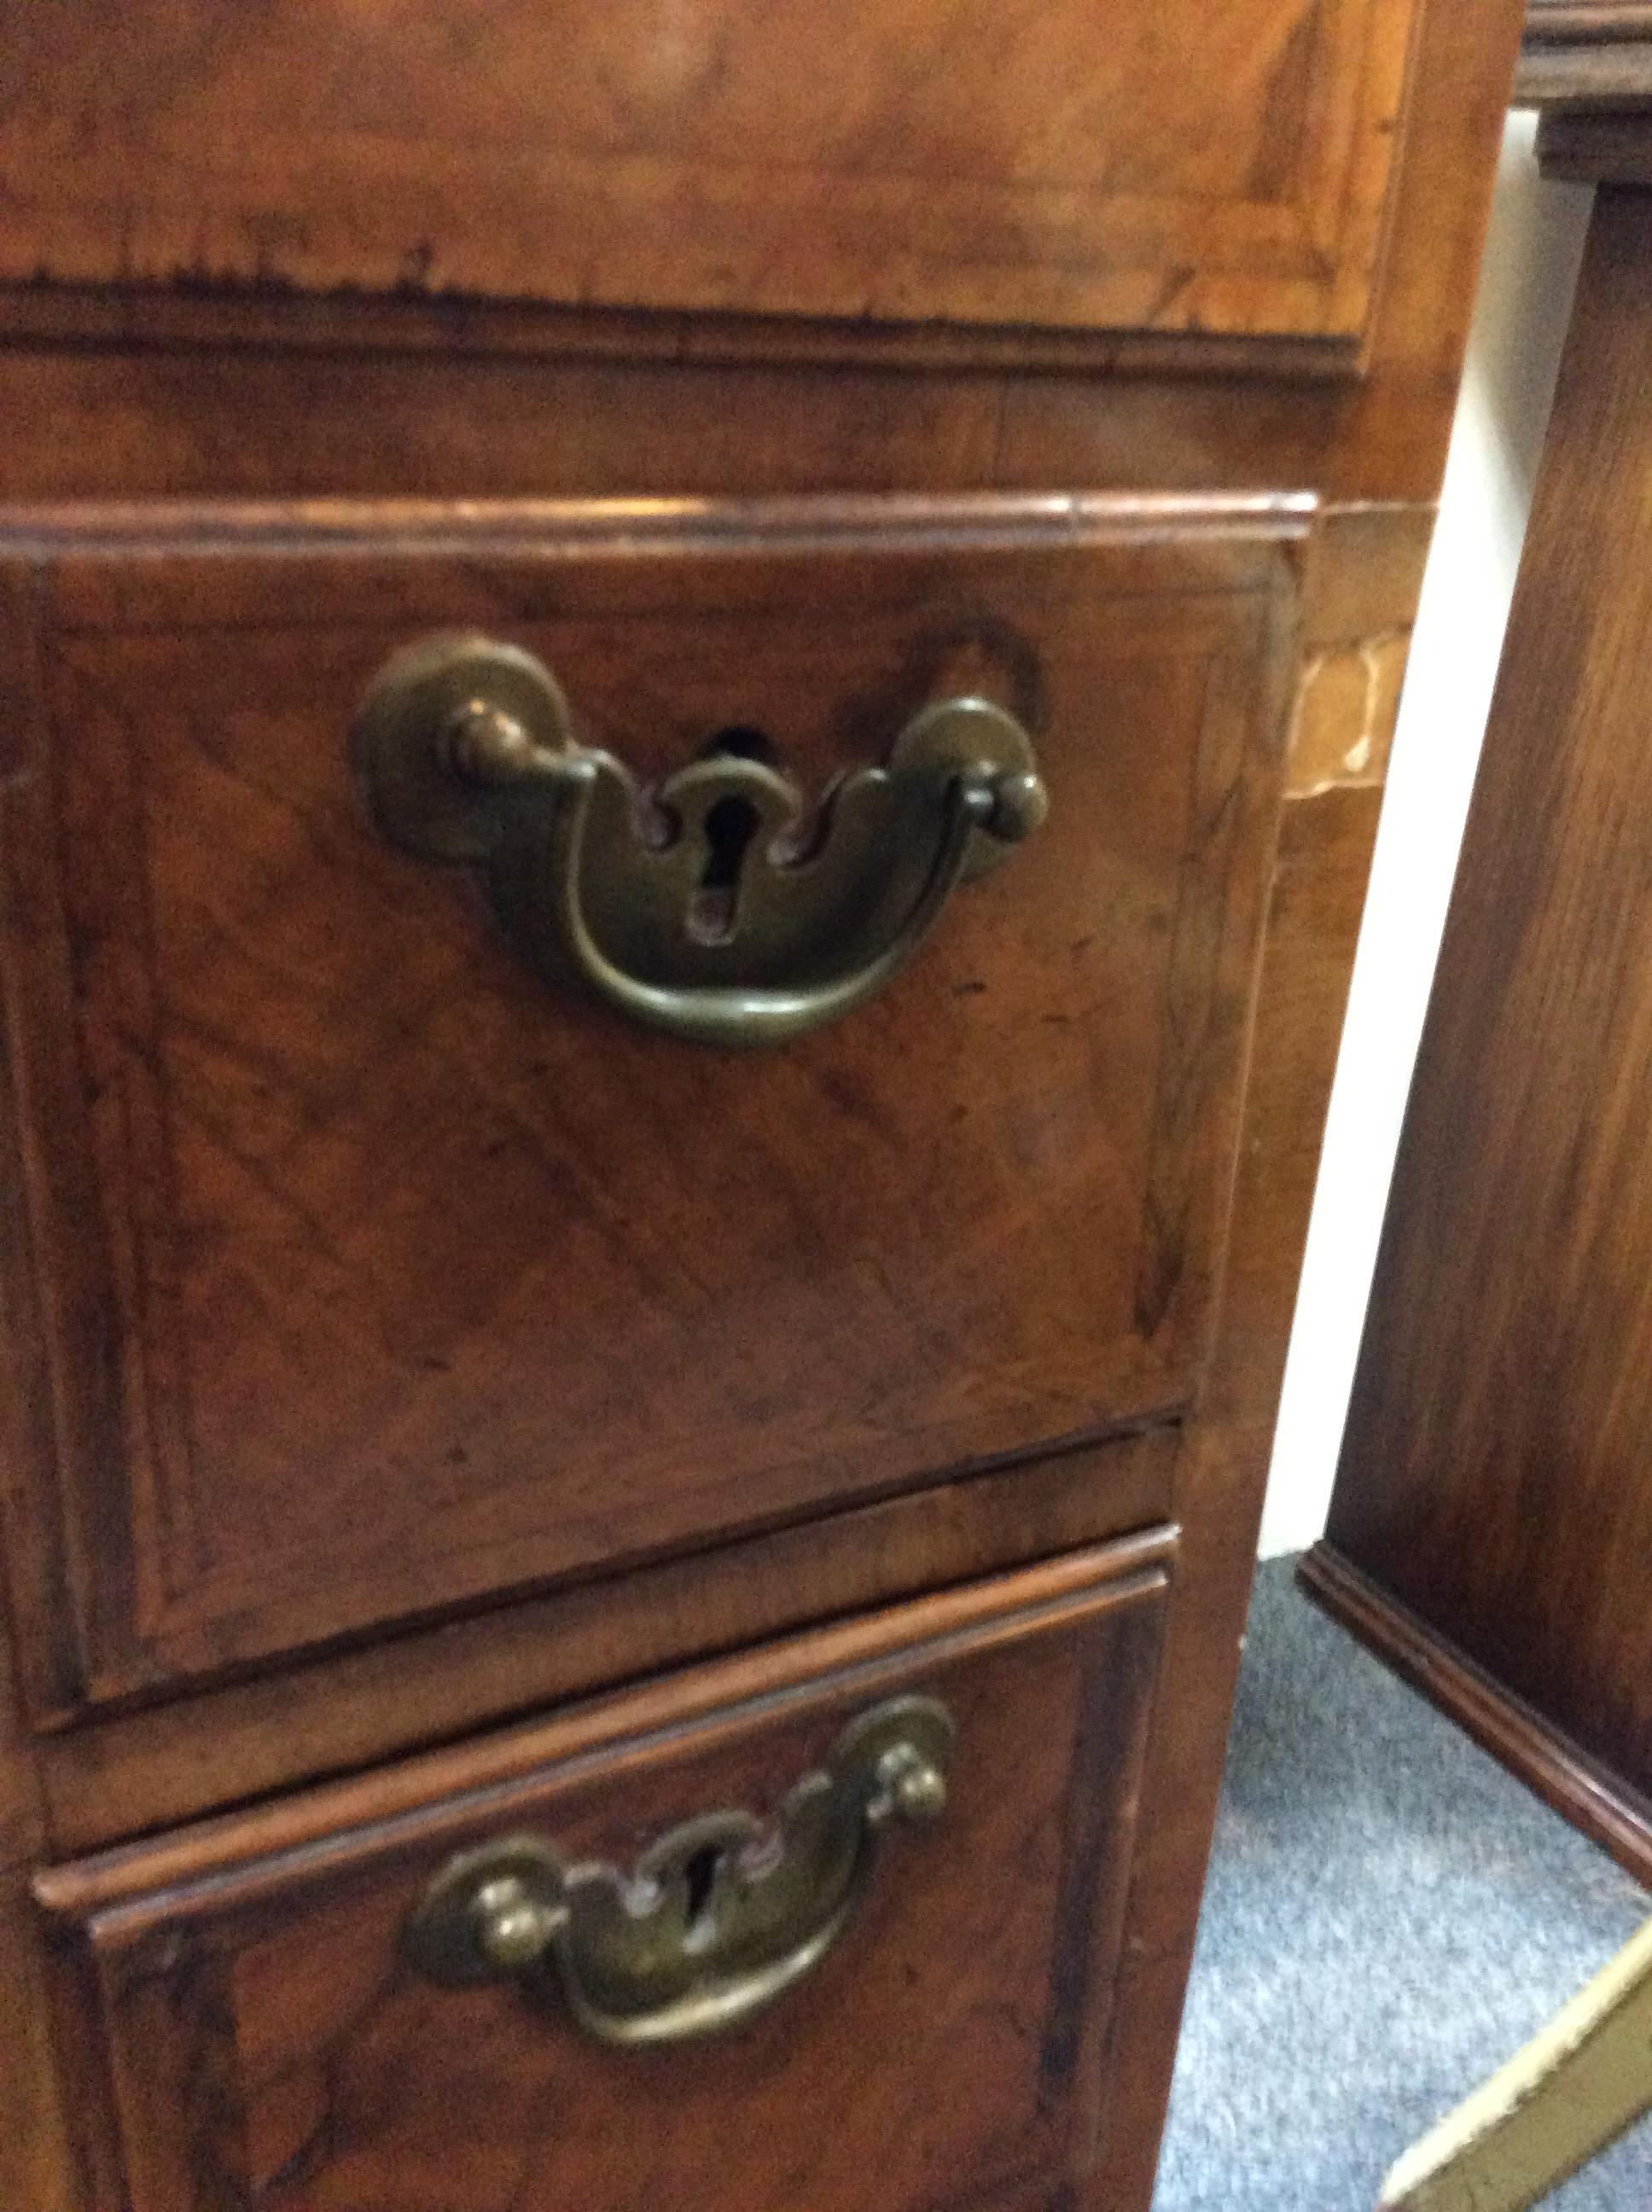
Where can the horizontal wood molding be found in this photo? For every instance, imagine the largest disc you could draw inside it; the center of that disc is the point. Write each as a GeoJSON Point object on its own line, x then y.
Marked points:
{"type": "Point", "coordinates": [1588, 54]}
{"type": "Point", "coordinates": [488, 1771]}
{"type": "Point", "coordinates": [144, 1770]}
{"type": "Point", "coordinates": [197, 531]}
{"type": "Point", "coordinates": [231, 317]}
{"type": "Point", "coordinates": [1549, 1764]}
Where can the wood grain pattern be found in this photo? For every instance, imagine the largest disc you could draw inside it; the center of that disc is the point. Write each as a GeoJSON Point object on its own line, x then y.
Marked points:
{"type": "Point", "coordinates": [269, 2045]}
{"type": "Point", "coordinates": [292, 394]}
{"type": "Point", "coordinates": [1357, 586]}
{"type": "Point", "coordinates": [370, 1198]}
{"type": "Point", "coordinates": [145, 1769]}
{"type": "Point", "coordinates": [126, 1772]}
{"type": "Point", "coordinates": [1494, 1477]}
{"type": "Point", "coordinates": [1324, 860]}
{"type": "Point", "coordinates": [987, 161]}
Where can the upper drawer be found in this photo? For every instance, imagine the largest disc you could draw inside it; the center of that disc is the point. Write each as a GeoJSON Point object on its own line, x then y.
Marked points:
{"type": "Point", "coordinates": [377, 1271]}
{"type": "Point", "coordinates": [1158, 165]}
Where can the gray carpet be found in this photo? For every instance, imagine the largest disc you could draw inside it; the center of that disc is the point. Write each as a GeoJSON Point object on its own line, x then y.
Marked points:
{"type": "Point", "coordinates": [1390, 1916]}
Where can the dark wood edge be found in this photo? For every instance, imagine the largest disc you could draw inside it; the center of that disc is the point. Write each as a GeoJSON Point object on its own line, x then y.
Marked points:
{"type": "Point", "coordinates": [37, 1540]}
{"type": "Point", "coordinates": [176, 528]}
{"type": "Point", "coordinates": [246, 1851]}
{"type": "Point", "coordinates": [1586, 22]}
{"type": "Point", "coordinates": [1593, 146]}
{"type": "Point", "coordinates": [240, 319]}
{"type": "Point", "coordinates": [1578, 1788]}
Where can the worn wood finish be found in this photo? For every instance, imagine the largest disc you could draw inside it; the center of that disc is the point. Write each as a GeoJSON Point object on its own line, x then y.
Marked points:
{"type": "Point", "coordinates": [989, 162]}
{"type": "Point", "coordinates": [1494, 1478]}
{"type": "Point", "coordinates": [372, 1198]}
{"type": "Point", "coordinates": [1324, 861]}
{"type": "Point", "coordinates": [127, 1771]}
{"type": "Point", "coordinates": [142, 1771]}
{"type": "Point", "coordinates": [147, 391]}
{"type": "Point", "coordinates": [1360, 589]}
{"type": "Point", "coordinates": [277, 395]}
{"type": "Point", "coordinates": [258, 2011]}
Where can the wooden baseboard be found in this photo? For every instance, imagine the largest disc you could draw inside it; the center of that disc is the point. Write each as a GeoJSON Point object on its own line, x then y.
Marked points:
{"type": "Point", "coordinates": [1578, 1788]}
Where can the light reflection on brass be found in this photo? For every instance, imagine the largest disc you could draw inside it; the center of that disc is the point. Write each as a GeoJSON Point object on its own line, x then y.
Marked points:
{"type": "Point", "coordinates": [721, 1917]}
{"type": "Point", "coordinates": [467, 754]}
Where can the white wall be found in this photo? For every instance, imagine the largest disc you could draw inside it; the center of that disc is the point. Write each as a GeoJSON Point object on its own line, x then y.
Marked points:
{"type": "Point", "coordinates": [1526, 289]}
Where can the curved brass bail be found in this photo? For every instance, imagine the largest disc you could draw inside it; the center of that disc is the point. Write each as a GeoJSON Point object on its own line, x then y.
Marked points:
{"type": "Point", "coordinates": [467, 755]}
{"type": "Point", "coordinates": [720, 1918]}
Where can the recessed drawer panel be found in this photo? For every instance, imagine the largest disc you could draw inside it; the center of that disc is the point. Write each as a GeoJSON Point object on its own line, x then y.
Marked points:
{"type": "Point", "coordinates": [395, 1237]}
{"type": "Point", "coordinates": [661, 1952]}
{"type": "Point", "coordinates": [1153, 165]}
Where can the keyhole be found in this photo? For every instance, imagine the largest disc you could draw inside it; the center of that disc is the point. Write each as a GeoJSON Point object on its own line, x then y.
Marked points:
{"type": "Point", "coordinates": [729, 827]}
{"type": "Point", "coordinates": [700, 1872]}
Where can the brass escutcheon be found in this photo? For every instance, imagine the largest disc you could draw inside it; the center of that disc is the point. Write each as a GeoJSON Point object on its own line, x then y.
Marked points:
{"type": "Point", "coordinates": [467, 754]}
{"type": "Point", "coordinates": [721, 1917]}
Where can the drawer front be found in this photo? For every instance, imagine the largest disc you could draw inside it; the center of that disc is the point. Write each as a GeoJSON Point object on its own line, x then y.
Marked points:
{"type": "Point", "coordinates": [378, 1272]}
{"type": "Point", "coordinates": [1153, 165]}
{"type": "Point", "coordinates": [284, 2016]}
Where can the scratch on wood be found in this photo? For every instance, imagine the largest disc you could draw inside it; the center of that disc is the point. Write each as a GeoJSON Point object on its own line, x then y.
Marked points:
{"type": "Point", "coordinates": [1347, 703]}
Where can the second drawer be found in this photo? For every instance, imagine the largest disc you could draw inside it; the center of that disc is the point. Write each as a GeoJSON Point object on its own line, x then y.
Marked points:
{"type": "Point", "coordinates": [832, 1925]}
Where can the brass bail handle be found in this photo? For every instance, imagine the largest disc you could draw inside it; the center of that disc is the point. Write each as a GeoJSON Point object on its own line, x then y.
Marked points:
{"type": "Point", "coordinates": [467, 755]}
{"type": "Point", "coordinates": [721, 1917]}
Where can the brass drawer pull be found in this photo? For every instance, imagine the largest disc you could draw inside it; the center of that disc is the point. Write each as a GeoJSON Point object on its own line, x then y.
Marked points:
{"type": "Point", "coordinates": [721, 1917]}
{"type": "Point", "coordinates": [467, 753]}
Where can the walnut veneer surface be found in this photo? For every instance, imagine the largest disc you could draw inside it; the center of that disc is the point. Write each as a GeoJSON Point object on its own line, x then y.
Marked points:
{"type": "Point", "coordinates": [347, 2086]}
{"type": "Point", "coordinates": [346, 1133]}
{"type": "Point", "coordinates": [977, 163]}
{"type": "Point", "coordinates": [436, 1408]}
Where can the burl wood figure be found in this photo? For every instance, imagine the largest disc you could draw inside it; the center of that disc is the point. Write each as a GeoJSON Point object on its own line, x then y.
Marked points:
{"type": "Point", "coordinates": [696, 700]}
